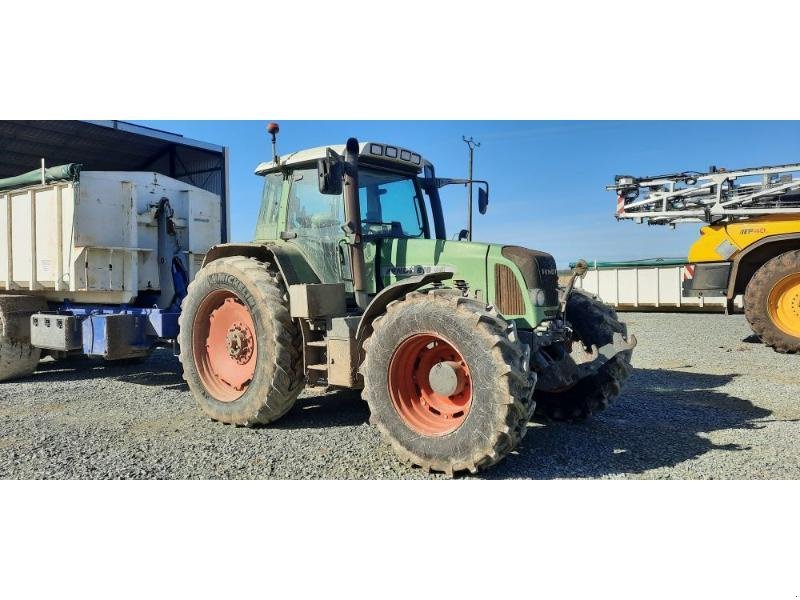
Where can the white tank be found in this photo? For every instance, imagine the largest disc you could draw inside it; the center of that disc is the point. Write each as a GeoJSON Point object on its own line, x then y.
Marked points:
{"type": "Point", "coordinates": [96, 240]}
{"type": "Point", "coordinates": [648, 287]}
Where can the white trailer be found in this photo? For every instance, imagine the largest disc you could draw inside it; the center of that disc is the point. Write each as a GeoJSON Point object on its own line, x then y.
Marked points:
{"type": "Point", "coordinates": [97, 262]}
{"type": "Point", "coordinates": [655, 284]}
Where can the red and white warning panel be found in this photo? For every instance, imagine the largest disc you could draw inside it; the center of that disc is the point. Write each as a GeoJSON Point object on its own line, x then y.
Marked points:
{"type": "Point", "coordinates": [620, 205]}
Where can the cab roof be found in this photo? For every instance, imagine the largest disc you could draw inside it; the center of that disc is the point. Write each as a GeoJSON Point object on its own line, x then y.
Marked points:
{"type": "Point", "coordinates": [372, 150]}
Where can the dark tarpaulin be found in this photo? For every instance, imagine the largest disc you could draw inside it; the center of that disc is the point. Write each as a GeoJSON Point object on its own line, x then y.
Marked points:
{"type": "Point", "coordinates": [68, 172]}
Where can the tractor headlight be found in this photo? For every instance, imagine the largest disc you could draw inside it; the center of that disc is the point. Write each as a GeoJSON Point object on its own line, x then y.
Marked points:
{"type": "Point", "coordinates": [538, 297]}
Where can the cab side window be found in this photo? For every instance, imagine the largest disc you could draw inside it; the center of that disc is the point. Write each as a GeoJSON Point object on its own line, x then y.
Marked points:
{"type": "Point", "coordinates": [267, 225]}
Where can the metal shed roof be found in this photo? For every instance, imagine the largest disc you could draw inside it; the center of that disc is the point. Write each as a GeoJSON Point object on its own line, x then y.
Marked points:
{"type": "Point", "coordinates": [114, 146]}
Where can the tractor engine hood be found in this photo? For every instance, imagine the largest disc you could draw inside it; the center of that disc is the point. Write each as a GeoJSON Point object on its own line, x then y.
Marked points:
{"type": "Point", "coordinates": [537, 268]}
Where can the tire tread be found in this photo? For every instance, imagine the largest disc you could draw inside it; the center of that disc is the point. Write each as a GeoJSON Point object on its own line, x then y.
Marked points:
{"type": "Point", "coordinates": [595, 323]}
{"type": "Point", "coordinates": [288, 379]}
{"type": "Point", "coordinates": [755, 302]}
{"type": "Point", "coordinates": [511, 415]}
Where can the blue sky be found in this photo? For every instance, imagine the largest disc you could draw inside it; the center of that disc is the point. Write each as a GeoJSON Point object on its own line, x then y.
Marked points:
{"type": "Point", "coordinates": [547, 177]}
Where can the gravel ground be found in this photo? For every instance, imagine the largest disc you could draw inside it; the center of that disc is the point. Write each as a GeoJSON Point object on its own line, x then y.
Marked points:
{"type": "Point", "coordinates": [706, 401]}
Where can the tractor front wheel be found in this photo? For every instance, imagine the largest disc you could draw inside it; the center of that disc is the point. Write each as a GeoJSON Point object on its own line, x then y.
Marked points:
{"type": "Point", "coordinates": [772, 303]}
{"type": "Point", "coordinates": [240, 349]}
{"type": "Point", "coordinates": [447, 382]}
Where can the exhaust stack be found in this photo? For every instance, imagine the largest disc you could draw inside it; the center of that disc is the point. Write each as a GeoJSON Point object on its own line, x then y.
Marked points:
{"type": "Point", "coordinates": [353, 215]}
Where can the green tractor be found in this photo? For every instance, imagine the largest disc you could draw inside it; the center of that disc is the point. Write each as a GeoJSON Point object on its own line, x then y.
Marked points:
{"type": "Point", "coordinates": [353, 283]}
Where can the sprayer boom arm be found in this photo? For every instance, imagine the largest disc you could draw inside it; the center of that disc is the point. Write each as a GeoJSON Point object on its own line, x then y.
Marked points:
{"type": "Point", "coordinates": [711, 197]}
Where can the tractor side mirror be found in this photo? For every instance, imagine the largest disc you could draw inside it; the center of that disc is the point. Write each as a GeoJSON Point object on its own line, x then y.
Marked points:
{"type": "Point", "coordinates": [483, 200]}
{"type": "Point", "coordinates": [329, 174]}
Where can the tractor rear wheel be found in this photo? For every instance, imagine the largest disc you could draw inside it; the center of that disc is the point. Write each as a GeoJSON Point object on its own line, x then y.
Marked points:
{"type": "Point", "coordinates": [772, 303]}
{"type": "Point", "coordinates": [447, 382]}
{"type": "Point", "coordinates": [17, 357]}
{"type": "Point", "coordinates": [240, 349]}
{"type": "Point", "coordinates": [593, 323]}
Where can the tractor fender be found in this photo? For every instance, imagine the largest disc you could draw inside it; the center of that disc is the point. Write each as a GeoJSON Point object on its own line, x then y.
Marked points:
{"type": "Point", "coordinates": [394, 292]}
{"type": "Point", "coordinates": [291, 263]}
{"type": "Point", "coordinates": [747, 262]}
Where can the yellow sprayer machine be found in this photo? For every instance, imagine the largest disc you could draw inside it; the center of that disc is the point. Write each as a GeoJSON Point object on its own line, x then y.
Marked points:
{"type": "Point", "coordinates": [750, 243]}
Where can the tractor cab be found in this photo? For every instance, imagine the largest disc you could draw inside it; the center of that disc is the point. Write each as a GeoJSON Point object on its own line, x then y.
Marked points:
{"type": "Point", "coordinates": [300, 207]}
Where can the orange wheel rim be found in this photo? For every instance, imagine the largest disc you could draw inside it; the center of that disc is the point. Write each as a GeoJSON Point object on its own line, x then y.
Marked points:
{"type": "Point", "coordinates": [430, 384]}
{"type": "Point", "coordinates": [225, 346]}
{"type": "Point", "coordinates": [784, 304]}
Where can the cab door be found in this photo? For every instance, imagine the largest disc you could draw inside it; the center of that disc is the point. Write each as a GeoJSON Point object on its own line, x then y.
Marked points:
{"type": "Point", "coordinates": [314, 224]}
{"type": "Point", "coordinates": [392, 211]}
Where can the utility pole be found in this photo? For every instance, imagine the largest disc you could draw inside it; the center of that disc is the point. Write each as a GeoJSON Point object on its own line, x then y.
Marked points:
{"type": "Point", "coordinates": [472, 144]}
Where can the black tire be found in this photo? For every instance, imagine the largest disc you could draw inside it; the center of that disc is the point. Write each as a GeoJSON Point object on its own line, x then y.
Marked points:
{"type": "Point", "coordinates": [594, 323]}
{"type": "Point", "coordinates": [17, 357]}
{"type": "Point", "coordinates": [756, 302]}
{"type": "Point", "coordinates": [502, 384]}
{"type": "Point", "coordinates": [278, 377]}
